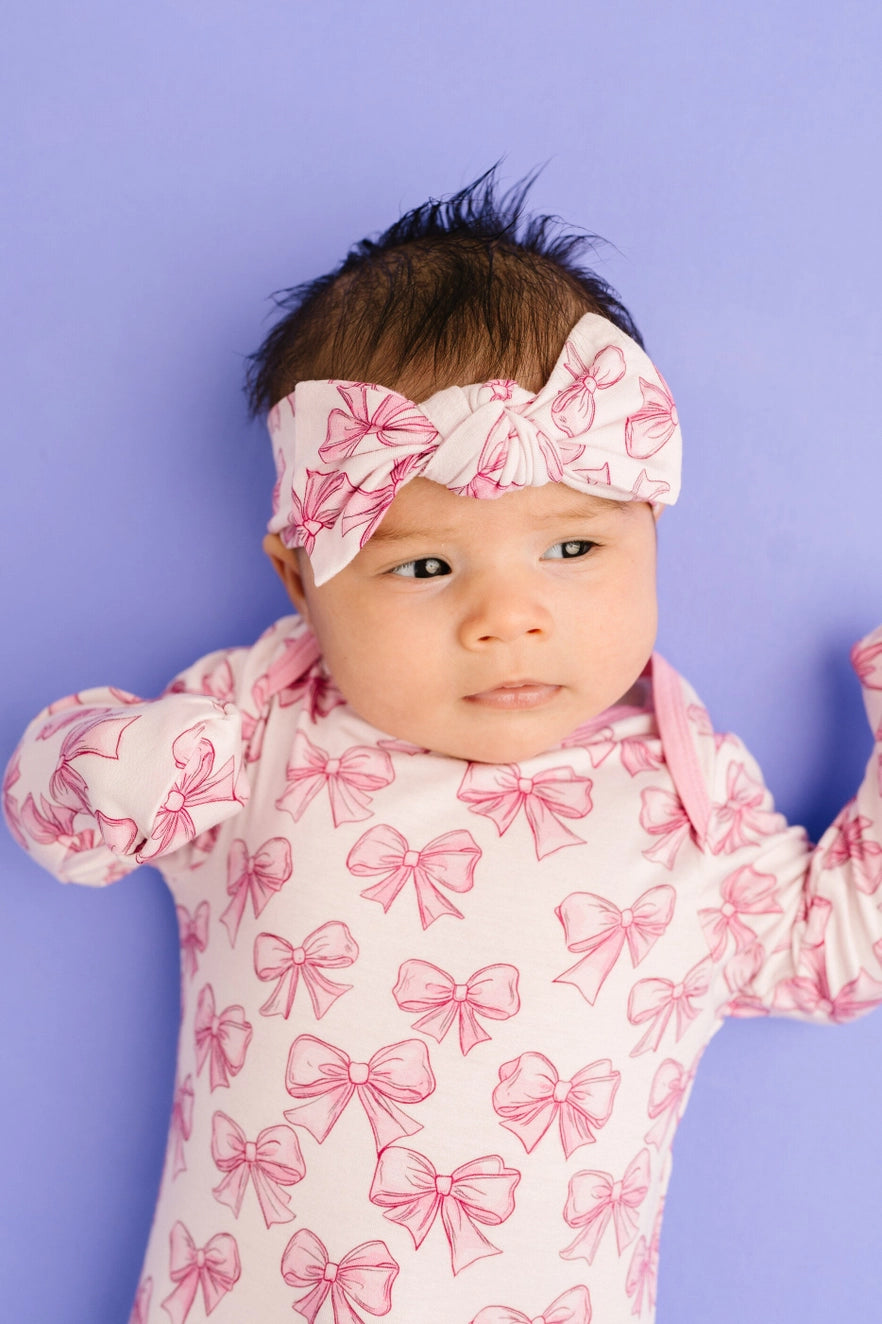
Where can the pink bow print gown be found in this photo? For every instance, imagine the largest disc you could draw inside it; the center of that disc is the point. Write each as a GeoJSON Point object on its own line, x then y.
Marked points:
{"type": "Point", "coordinates": [440, 1020]}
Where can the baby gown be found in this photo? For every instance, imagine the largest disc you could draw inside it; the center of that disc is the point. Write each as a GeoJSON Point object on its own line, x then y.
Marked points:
{"type": "Point", "coordinates": [440, 1019]}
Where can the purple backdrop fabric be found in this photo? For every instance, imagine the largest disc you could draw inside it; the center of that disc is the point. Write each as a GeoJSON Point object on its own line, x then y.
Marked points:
{"type": "Point", "coordinates": [167, 167]}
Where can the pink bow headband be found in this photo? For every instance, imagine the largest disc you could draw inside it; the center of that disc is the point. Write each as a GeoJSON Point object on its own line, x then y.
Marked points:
{"type": "Point", "coordinates": [604, 424]}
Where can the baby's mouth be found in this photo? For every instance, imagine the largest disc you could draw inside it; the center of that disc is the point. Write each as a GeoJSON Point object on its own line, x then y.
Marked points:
{"type": "Point", "coordinates": [517, 694]}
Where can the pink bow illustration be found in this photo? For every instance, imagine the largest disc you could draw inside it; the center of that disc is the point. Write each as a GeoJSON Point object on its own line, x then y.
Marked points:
{"type": "Point", "coordinates": [98, 735]}
{"type": "Point", "coordinates": [642, 1273]}
{"type": "Point", "coordinates": [739, 972]}
{"type": "Point", "coordinates": [202, 846]}
{"type": "Point", "coordinates": [193, 933]}
{"type": "Point", "coordinates": [215, 1268]}
{"type": "Point", "coordinates": [324, 496]}
{"type": "Point", "coordinates": [367, 505]}
{"type": "Point", "coordinates": [667, 1099]}
{"type": "Point", "coordinates": [329, 947]}
{"type": "Point", "coordinates": [410, 1192]}
{"type": "Point", "coordinates": [500, 791]}
{"type": "Point", "coordinates": [141, 1305]}
{"type": "Point", "coordinates": [394, 422]}
{"type": "Point", "coordinates": [572, 1307]}
{"type": "Point", "coordinates": [272, 1161]}
{"type": "Point", "coordinates": [812, 993]}
{"type": "Point", "coordinates": [662, 815]}
{"type": "Point", "coordinates": [866, 658]}
{"type": "Point", "coordinates": [597, 930]}
{"type": "Point", "coordinates": [11, 808]}
{"type": "Point", "coordinates": [657, 1000]}
{"type": "Point", "coordinates": [349, 779]}
{"type": "Point", "coordinates": [448, 861]}
{"type": "Point", "coordinates": [259, 876]}
{"type": "Point", "coordinates": [745, 817]}
{"type": "Point", "coordinates": [217, 681]}
{"type": "Point", "coordinates": [181, 1124]}
{"type": "Point", "coordinates": [593, 1199]}
{"type": "Point", "coordinates": [326, 1078]}
{"type": "Point", "coordinates": [363, 1278]}
{"type": "Point", "coordinates": [745, 892]}
{"type": "Point", "coordinates": [53, 824]}
{"type": "Point", "coordinates": [574, 407]}
{"type": "Point", "coordinates": [221, 1040]}
{"type": "Point", "coordinates": [654, 423]}
{"type": "Point", "coordinates": [491, 991]}
{"type": "Point", "coordinates": [852, 844]}
{"type": "Point", "coordinates": [198, 784]}
{"type": "Point", "coordinates": [530, 1094]}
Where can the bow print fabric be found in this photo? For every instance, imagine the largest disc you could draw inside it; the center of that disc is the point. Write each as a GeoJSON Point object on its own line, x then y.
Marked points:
{"type": "Point", "coordinates": [329, 947]}
{"type": "Point", "coordinates": [604, 424]}
{"type": "Point", "coordinates": [500, 791]}
{"type": "Point", "coordinates": [597, 928]}
{"type": "Point", "coordinates": [272, 1161]}
{"type": "Point", "coordinates": [363, 1278]}
{"type": "Point", "coordinates": [593, 928]}
{"type": "Point", "coordinates": [259, 876]}
{"type": "Point", "coordinates": [491, 991]}
{"type": "Point", "coordinates": [410, 1192]}
{"type": "Point", "coordinates": [594, 1198]}
{"type": "Point", "coordinates": [215, 1268]}
{"type": "Point", "coordinates": [326, 1078]}
{"type": "Point", "coordinates": [530, 1094]}
{"type": "Point", "coordinates": [448, 861]}
{"type": "Point", "coordinates": [572, 1307]}
{"type": "Point", "coordinates": [221, 1040]}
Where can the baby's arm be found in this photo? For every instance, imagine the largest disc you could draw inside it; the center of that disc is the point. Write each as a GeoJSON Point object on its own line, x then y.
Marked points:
{"type": "Point", "coordinates": [804, 925]}
{"type": "Point", "coordinates": [103, 781]}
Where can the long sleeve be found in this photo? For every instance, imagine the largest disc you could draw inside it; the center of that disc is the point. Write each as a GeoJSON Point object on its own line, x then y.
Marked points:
{"type": "Point", "coordinates": [103, 781]}
{"type": "Point", "coordinates": [801, 926]}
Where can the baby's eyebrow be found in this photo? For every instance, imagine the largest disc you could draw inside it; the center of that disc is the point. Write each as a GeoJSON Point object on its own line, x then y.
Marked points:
{"type": "Point", "coordinates": [405, 533]}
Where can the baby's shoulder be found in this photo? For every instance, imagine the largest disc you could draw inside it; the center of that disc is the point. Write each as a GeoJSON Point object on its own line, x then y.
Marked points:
{"type": "Point", "coordinates": [250, 676]}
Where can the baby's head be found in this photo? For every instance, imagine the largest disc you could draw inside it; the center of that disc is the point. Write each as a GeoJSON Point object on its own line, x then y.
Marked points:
{"type": "Point", "coordinates": [485, 629]}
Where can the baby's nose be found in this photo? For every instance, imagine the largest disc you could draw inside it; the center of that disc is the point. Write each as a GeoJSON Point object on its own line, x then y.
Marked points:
{"type": "Point", "coordinates": [503, 614]}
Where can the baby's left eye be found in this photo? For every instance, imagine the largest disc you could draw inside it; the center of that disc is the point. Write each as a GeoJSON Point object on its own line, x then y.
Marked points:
{"type": "Point", "coordinates": [570, 550]}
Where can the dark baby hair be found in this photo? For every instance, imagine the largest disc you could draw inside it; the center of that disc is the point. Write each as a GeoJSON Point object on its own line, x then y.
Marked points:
{"type": "Point", "coordinates": [463, 289]}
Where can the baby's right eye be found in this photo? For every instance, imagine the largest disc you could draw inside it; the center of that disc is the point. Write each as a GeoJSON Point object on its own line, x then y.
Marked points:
{"type": "Point", "coordinates": [426, 567]}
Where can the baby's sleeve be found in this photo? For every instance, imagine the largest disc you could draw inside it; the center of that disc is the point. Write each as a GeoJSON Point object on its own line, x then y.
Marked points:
{"type": "Point", "coordinates": [799, 929]}
{"type": "Point", "coordinates": [104, 781]}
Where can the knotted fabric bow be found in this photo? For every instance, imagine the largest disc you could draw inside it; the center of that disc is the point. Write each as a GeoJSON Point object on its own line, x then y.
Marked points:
{"type": "Point", "coordinates": [363, 1278]}
{"type": "Point", "coordinates": [215, 1266]}
{"type": "Point", "coordinates": [572, 1307]}
{"type": "Point", "coordinates": [272, 1161]}
{"type": "Point", "coordinates": [326, 1078]}
{"type": "Point", "coordinates": [604, 424]}
{"type": "Point", "coordinates": [410, 1192]}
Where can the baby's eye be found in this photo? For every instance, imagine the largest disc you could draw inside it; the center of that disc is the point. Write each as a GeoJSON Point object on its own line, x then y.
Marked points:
{"type": "Point", "coordinates": [426, 567]}
{"type": "Point", "coordinates": [569, 550]}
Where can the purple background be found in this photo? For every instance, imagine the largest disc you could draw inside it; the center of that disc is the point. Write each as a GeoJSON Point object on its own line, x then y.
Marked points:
{"type": "Point", "coordinates": [169, 165]}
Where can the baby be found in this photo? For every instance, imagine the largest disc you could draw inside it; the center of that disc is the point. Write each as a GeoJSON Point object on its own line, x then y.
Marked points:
{"type": "Point", "coordinates": [465, 878]}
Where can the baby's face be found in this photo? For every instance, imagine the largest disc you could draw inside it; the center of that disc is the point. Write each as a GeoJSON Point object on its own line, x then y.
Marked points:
{"type": "Point", "coordinates": [488, 629]}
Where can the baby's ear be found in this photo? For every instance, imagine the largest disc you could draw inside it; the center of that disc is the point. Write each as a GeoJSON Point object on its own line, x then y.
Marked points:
{"type": "Point", "coordinates": [286, 563]}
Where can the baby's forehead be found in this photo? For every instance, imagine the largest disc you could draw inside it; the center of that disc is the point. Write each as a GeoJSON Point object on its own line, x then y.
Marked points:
{"type": "Point", "coordinates": [425, 507]}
